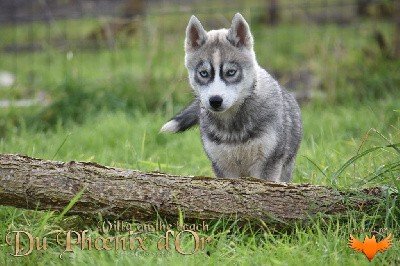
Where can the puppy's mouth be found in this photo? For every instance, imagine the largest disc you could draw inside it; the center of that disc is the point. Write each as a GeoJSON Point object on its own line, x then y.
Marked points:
{"type": "Point", "coordinates": [216, 109]}
{"type": "Point", "coordinates": [225, 111]}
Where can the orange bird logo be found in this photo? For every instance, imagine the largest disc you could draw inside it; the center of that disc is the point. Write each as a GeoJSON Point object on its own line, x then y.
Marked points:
{"type": "Point", "coordinates": [370, 247]}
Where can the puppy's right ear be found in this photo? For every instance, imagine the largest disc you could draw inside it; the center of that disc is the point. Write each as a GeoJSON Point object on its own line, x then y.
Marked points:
{"type": "Point", "coordinates": [196, 36]}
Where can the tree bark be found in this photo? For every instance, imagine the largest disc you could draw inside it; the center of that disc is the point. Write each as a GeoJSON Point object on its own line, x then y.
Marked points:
{"type": "Point", "coordinates": [114, 193]}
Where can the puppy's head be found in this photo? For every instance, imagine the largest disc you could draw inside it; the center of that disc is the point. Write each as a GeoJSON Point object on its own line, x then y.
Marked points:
{"type": "Point", "coordinates": [221, 63]}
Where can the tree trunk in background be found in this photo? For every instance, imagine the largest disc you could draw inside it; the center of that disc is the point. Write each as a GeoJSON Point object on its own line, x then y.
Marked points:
{"type": "Point", "coordinates": [133, 8]}
{"type": "Point", "coordinates": [362, 7]}
{"type": "Point", "coordinates": [272, 12]}
{"type": "Point", "coordinates": [123, 194]}
{"type": "Point", "coordinates": [396, 17]}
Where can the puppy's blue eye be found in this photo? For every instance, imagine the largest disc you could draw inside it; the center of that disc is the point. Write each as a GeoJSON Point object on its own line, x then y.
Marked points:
{"type": "Point", "coordinates": [203, 74]}
{"type": "Point", "coordinates": [230, 72]}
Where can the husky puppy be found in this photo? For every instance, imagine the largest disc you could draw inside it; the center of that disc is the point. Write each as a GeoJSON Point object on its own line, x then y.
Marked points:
{"type": "Point", "coordinates": [249, 125]}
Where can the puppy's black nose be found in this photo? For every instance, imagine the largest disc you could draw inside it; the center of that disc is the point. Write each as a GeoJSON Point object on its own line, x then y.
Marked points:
{"type": "Point", "coordinates": [216, 101]}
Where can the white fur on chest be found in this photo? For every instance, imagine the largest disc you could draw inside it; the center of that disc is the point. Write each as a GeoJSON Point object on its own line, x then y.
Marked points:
{"type": "Point", "coordinates": [242, 159]}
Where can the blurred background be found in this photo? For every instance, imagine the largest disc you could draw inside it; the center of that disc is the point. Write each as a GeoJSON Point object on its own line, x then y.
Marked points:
{"type": "Point", "coordinates": [64, 64]}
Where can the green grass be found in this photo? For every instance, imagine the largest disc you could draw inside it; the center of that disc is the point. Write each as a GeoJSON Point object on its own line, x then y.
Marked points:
{"type": "Point", "coordinates": [107, 106]}
{"type": "Point", "coordinates": [333, 134]}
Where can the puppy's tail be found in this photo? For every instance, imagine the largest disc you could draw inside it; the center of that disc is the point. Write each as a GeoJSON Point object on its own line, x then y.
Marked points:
{"type": "Point", "coordinates": [187, 118]}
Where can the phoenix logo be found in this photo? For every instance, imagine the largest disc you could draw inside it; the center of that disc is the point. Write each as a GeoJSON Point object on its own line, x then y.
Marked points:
{"type": "Point", "coordinates": [370, 247]}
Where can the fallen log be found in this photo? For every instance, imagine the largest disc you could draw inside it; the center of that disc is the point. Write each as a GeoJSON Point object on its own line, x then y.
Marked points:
{"type": "Point", "coordinates": [114, 193]}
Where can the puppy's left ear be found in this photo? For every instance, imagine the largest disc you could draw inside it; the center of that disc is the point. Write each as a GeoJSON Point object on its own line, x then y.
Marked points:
{"type": "Point", "coordinates": [239, 33]}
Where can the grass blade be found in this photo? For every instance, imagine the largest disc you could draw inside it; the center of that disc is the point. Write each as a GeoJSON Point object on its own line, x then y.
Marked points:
{"type": "Point", "coordinates": [313, 163]}
{"type": "Point", "coordinates": [71, 203]}
{"type": "Point", "coordinates": [62, 144]}
{"type": "Point", "coordinates": [358, 156]}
